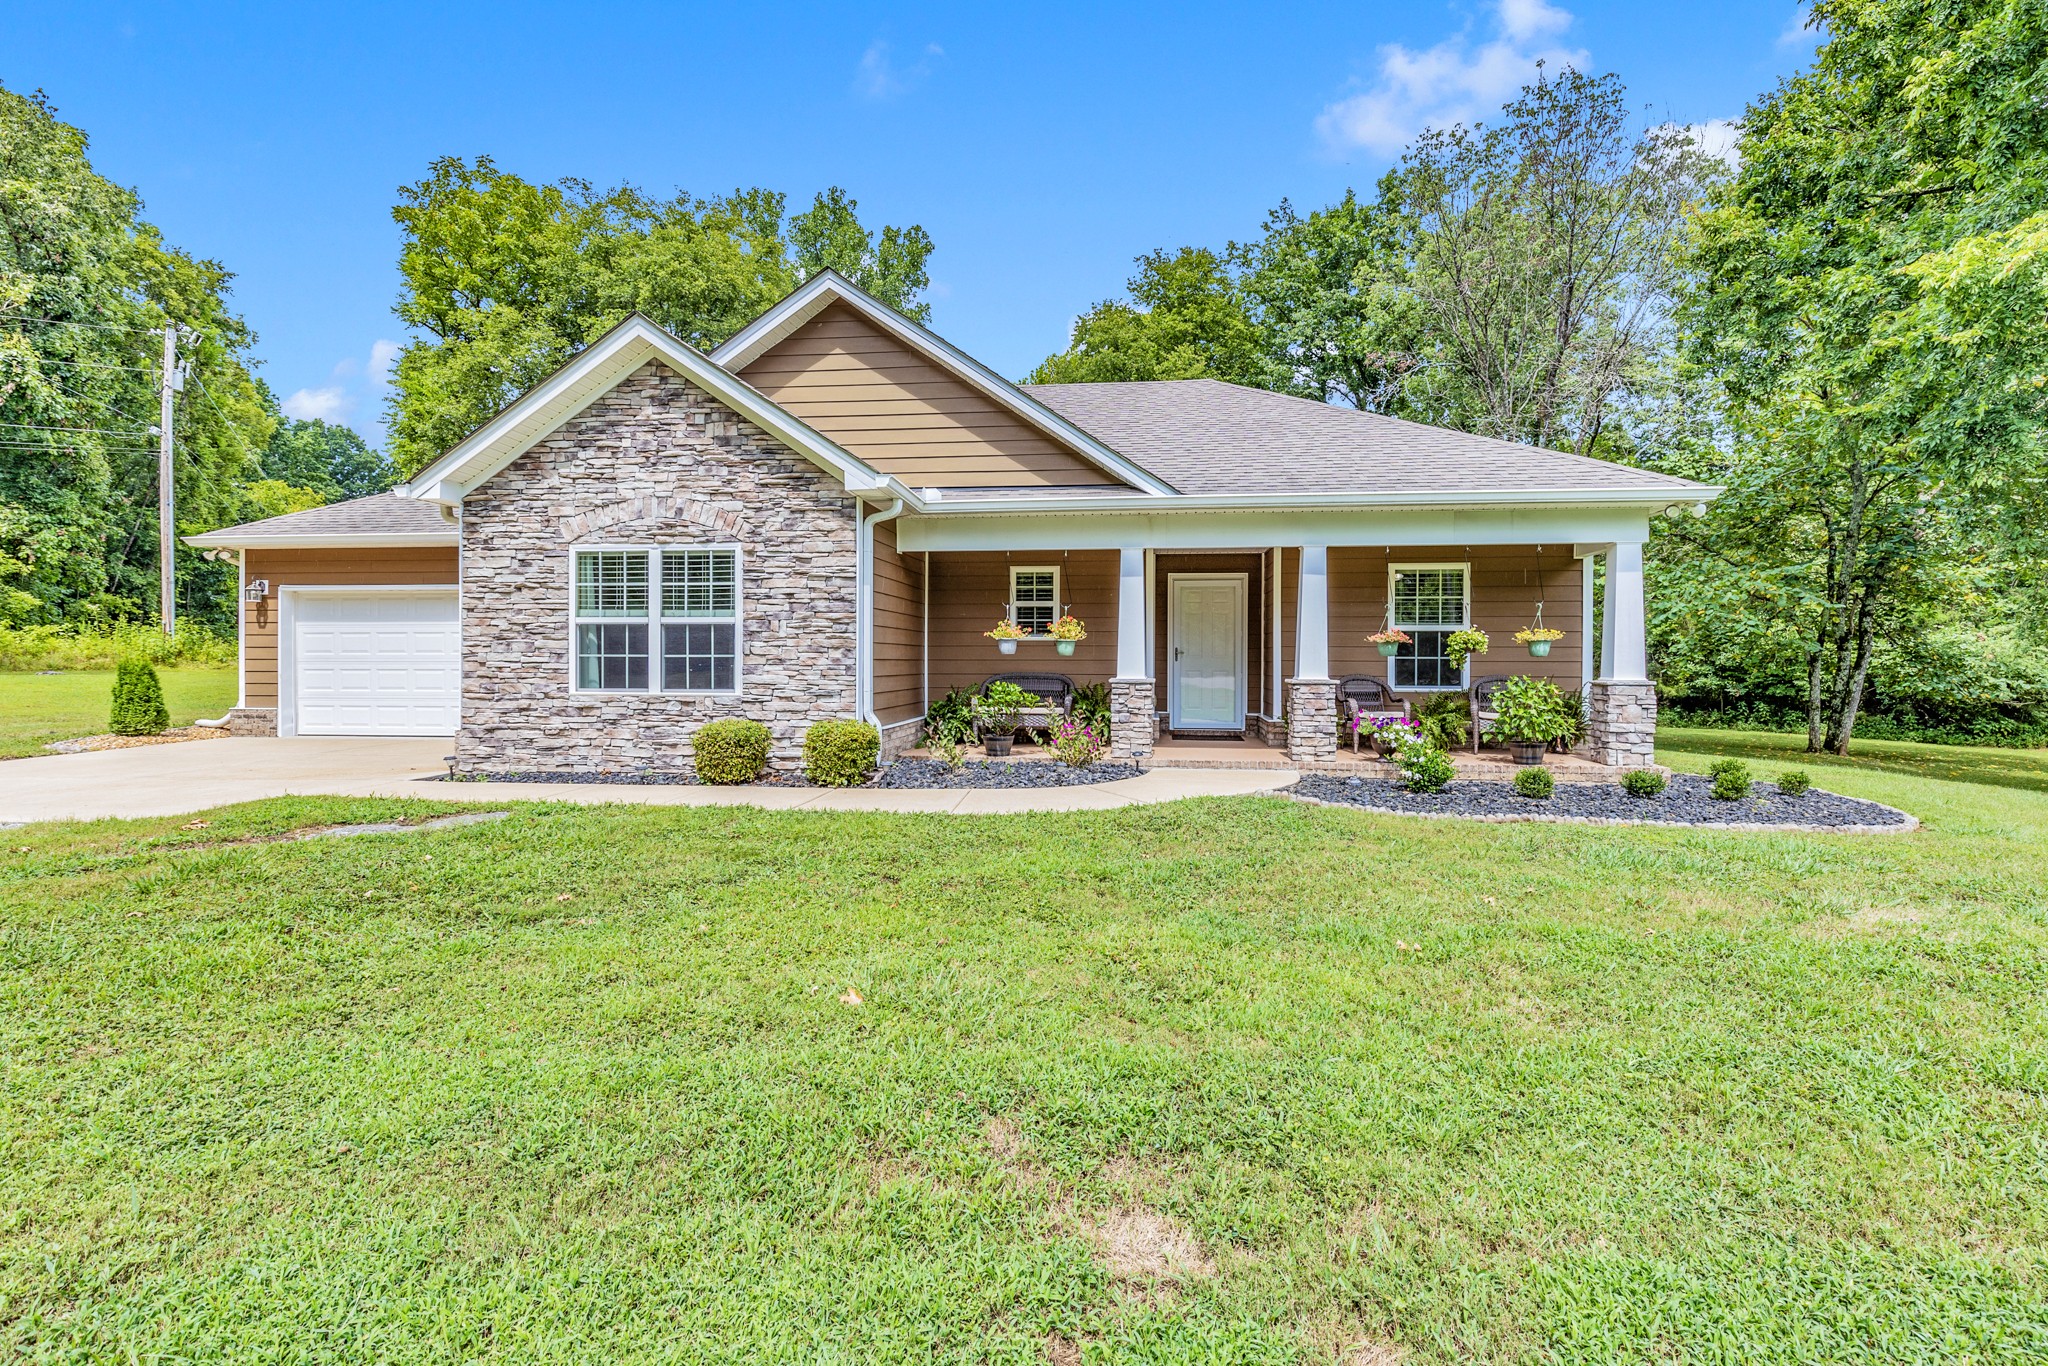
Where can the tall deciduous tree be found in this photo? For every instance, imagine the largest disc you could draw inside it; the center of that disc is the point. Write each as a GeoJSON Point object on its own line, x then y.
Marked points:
{"type": "Point", "coordinates": [1872, 297]}
{"type": "Point", "coordinates": [506, 280]}
{"type": "Point", "coordinates": [326, 458]}
{"type": "Point", "coordinates": [1188, 318]}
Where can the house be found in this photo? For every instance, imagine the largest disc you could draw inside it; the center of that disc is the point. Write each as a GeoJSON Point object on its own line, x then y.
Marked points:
{"type": "Point", "coordinates": [823, 516]}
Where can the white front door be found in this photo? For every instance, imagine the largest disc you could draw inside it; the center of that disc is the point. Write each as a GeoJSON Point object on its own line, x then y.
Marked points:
{"type": "Point", "coordinates": [376, 663]}
{"type": "Point", "coordinates": [1205, 651]}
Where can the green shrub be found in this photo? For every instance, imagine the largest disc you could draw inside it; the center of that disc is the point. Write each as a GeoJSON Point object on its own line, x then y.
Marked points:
{"type": "Point", "coordinates": [1446, 719]}
{"type": "Point", "coordinates": [1535, 782]}
{"type": "Point", "coordinates": [1731, 779]}
{"type": "Point", "coordinates": [26, 649]}
{"type": "Point", "coordinates": [138, 701]}
{"type": "Point", "coordinates": [840, 753]}
{"type": "Point", "coordinates": [1643, 782]}
{"type": "Point", "coordinates": [1424, 767]}
{"type": "Point", "coordinates": [951, 717]}
{"type": "Point", "coordinates": [1794, 781]}
{"type": "Point", "coordinates": [1091, 708]}
{"type": "Point", "coordinates": [730, 751]}
{"type": "Point", "coordinates": [1530, 709]}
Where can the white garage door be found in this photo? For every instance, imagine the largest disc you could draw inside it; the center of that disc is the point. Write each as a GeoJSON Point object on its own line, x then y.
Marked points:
{"type": "Point", "coordinates": [377, 663]}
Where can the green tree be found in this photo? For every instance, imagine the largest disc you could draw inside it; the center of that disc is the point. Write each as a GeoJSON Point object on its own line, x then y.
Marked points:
{"type": "Point", "coordinates": [85, 284]}
{"type": "Point", "coordinates": [327, 458]}
{"type": "Point", "coordinates": [506, 280]}
{"type": "Point", "coordinates": [1871, 300]}
{"type": "Point", "coordinates": [1188, 318]}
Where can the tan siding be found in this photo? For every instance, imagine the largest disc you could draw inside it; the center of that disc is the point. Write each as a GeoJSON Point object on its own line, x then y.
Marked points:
{"type": "Point", "coordinates": [1256, 637]}
{"type": "Point", "coordinates": [899, 629]}
{"type": "Point", "coordinates": [969, 590]}
{"type": "Point", "coordinates": [1290, 580]}
{"type": "Point", "coordinates": [370, 565]}
{"type": "Point", "coordinates": [1505, 589]}
{"type": "Point", "coordinates": [903, 413]}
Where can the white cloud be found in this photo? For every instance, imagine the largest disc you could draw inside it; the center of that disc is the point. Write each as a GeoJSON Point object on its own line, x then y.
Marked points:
{"type": "Point", "coordinates": [353, 386]}
{"type": "Point", "coordinates": [880, 77]}
{"type": "Point", "coordinates": [1797, 36]}
{"type": "Point", "coordinates": [330, 404]}
{"type": "Point", "coordinates": [383, 356]}
{"type": "Point", "coordinates": [1717, 138]}
{"type": "Point", "coordinates": [1455, 81]}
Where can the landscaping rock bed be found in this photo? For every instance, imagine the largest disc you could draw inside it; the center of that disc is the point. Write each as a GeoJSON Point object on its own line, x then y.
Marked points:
{"type": "Point", "coordinates": [1685, 802]}
{"type": "Point", "coordinates": [928, 773]}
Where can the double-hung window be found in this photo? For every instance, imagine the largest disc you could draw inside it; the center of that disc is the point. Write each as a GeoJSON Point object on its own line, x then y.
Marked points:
{"type": "Point", "coordinates": [1429, 602]}
{"type": "Point", "coordinates": [1035, 598]}
{"type": "Point", "coordinates": [657, 620]}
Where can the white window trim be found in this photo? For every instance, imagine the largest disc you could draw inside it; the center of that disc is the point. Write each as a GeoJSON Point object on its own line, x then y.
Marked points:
{"type": "Point", "coordinates": [1464, 672]}
{"type": "Point", "coordinates": [654, 620]}
{"type": "Point", "coordinates": [1059, 601]}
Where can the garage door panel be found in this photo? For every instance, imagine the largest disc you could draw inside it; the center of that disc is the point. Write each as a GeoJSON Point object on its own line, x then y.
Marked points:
{"type": "Point", "coordinates": [377, 664]}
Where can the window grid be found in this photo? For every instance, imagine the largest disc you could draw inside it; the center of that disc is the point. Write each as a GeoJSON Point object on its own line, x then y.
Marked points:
{"type": "Point", "coordinates": [1035, 599]}
{"type": "Point", "coordinates": [682, 638]}
{"type": "Point", "coordinates": [1429, 603]}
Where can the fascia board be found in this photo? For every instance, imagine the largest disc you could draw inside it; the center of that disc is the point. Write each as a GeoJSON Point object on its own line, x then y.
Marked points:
{"type": "Point", "coordinates": [1276, 502]}
{"type": "Point", "coordinates": [330, 541]}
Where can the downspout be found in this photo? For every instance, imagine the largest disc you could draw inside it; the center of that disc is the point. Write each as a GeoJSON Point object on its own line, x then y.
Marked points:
{"type": "Point", "coordinates": [864, 609]}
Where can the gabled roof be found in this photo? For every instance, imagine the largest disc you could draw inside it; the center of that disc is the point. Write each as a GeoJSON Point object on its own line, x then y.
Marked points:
{"type": "Point", "coordinates": [828, 287]}
{"type": "Point", "coordinates": [593, 373]}
{"type": "Point", "coordinates": [1212, 438]}
{"type": "Point", "coordinates": [380, 519]}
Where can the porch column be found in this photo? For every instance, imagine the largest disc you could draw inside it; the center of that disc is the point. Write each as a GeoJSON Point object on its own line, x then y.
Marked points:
{"type": "Point", "coordinates": [1621, 704]}
{"type": "Point", "coordinates": [1131, 691]}
{"type": "Point", "coordinates": [1312, 693]}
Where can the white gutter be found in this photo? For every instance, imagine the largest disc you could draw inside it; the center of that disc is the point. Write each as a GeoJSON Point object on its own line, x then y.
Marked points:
{"type": "Point", "coordinates": [1187, 502]}
{"type": "Point", "coordinates": [333, 540]}
{"type": "Point", "coordinates": [864, 609]}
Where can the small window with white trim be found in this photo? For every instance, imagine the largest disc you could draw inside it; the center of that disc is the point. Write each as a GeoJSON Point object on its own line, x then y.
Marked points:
{"type": "Point", "coordinates": [1034, 598]}
{"type": "Point", "coordinates": [657, 620]}
{"type": "Point", "coordinates": [1430, 602]}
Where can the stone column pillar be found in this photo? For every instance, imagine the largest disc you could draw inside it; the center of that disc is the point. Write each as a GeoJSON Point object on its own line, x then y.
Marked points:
{"type": "Point", "coordinates": [1312, 722]}
{"type": "Point", "coordinates": [1131, 719]}
{"type": "Point", "coordinates": [1621, 723]}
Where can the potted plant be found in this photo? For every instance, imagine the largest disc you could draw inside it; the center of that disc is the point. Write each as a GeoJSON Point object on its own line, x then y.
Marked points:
{"type": "Point", "coordinates": [1389, 733]}
{"type": "Point", "coordinates": [1538, 638]}
{"type": "Point", "coordinates": [1391, 640]}
{"type": "Point", "coordinates": [1006, 635]}
{"type": "Point", "coordinates": [996, 713]}
{"type": "Point", "coordinates": [1066, 632]}
{"type": "Point", "coordinates": [1532, 713]}
{"type": "Point", "coordinates": [1460, 646]}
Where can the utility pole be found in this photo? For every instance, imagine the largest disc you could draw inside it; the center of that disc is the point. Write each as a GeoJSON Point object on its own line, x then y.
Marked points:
{"type": "Point", "coordinates": [166, 485]}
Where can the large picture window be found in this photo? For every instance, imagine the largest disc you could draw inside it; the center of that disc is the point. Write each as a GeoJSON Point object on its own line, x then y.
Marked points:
{"type": "Point", "coordinates": [653, 620]}
{"type": "Point", "coordinates": [1429, 602]}
{"type": "Point", "coordinates": [1035, 598]}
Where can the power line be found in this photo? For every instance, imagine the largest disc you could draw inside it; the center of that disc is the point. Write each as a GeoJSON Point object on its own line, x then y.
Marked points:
{"type": "Point", "coordinates": [95, 365]}
{"type": "Point", "coordinates": [72, 322]}
{"type": "Point", "coordinates": [232, 428]}
{"type": "Point", "coordinates": [81, 431]}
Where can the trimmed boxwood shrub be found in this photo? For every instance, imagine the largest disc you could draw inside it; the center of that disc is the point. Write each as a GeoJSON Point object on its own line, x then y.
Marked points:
{"type": "Point", "coordinates": [1731, 779]}
{"type": "Point", "coordinates": [1794, 781]}
{"type": "Point", "coordinates": [1535, 782]}
{"type": "Point", "coordinates": [138, 701]}
{"type": "Point", "coordinates": [1642, 782]}
{"type": "Point", "coordinates": [1424, 767]}
{"type": "Point", "coordinates": [840, 753]}
{"type": "Point", "coordinates": [730, 751]}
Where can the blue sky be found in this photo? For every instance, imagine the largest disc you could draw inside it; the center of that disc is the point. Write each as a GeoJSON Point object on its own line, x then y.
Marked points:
{"type": "Point", "coordinates": [1042, 149]}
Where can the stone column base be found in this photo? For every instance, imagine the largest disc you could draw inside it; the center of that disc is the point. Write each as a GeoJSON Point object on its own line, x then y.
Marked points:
{"type": "Point", "coordinates": [1312, 722]}
{"type": "Point", "coordinates": [1621, 724]}
{"type": "Point", "coordinates": [1131, 719]}
{"type": "Point", "coordinates": [252, 721]}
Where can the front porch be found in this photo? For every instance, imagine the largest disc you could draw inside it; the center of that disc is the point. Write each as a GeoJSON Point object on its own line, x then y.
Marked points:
{"type": "Point", "coordinates": [1252, 753]}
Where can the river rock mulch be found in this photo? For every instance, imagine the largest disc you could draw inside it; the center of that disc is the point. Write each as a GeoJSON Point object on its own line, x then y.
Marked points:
{"type": "Point", "coordinates": [85, 744]}
{"type": "Point", "coordinates": [928, 773]}
{"type": "Point", "coordinates": [1687, 801]}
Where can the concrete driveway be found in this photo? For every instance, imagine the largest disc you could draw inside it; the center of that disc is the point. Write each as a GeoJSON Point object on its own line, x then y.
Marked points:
{"type": "Point", "coordinates": [170, 780]}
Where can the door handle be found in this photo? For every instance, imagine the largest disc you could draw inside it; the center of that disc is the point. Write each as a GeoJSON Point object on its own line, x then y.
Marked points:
{"type": "Point", "coordinates": [1176, 652]}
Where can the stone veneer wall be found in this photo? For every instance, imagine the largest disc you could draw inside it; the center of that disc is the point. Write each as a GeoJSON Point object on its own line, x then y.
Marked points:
{"type": "Point", "coordinates": [1312, 722]}
{"type": "Point", "coordinates": [1621, 724]}
{"type": "Point", "coordinates": [252, 721]}
{"type": "Point", "coordinates": [1133, 728]}
{"type": "Point", "coordinates": [654, 462]}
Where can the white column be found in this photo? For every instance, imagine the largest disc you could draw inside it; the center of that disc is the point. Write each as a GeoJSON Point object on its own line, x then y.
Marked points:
{"type": "Point", "coordinates": [1312, 614]}
{"type": "Point", "coordinates": [1273, 702]}
{"type": "Point", "coordinates": [1132, 614]}
{"type": "Point", "coordinates": [1151, 612]}
{"type": "Point", "coordinates": [1624, 652]}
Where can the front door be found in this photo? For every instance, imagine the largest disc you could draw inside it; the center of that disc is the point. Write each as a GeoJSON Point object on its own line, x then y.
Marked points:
{"type": "Point", "coordinates": [1205, 653]}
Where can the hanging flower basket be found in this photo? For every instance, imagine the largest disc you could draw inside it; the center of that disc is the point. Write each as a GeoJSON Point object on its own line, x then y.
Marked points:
{"type": "Point", "coordinates": [1391, 640]}
{"type": "Point", "coordinates": [1460, 646]}
{"type": "Point", "coordinates": [1006, 635]}
{"type": "Point", "coordinates": [1538, 638]}
{"type": "Point", "coordinates": [1067, 632]}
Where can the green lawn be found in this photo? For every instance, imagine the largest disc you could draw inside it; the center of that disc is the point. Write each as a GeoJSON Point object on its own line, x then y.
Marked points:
{"type": "Point", "coordinates": [38, 708]}
{"type": "Point", "coordinates": [588, 1085]}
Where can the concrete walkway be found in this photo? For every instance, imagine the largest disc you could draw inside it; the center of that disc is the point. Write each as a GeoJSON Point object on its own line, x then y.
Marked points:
{"type": "Point", "coordinates": [170, 780]}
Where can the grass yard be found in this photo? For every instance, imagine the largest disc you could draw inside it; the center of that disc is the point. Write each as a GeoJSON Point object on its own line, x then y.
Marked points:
{"type": "Point", "coordinates": [1227, 1081]}
{"type": "Point", "coordinates": [37, 708]}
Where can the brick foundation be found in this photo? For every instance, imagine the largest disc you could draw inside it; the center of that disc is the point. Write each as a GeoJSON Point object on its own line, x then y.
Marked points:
{"type": "Point", "coordinates": [1312, 722]}
{"type": "Point", "coordinates": [1132, 725]}
{"type": "Point", "coordinates": [252, 721]}
{"type": "Point", "coordinates": [1621, 724]}
{"type": "Point", "coordinates": [901, 738]}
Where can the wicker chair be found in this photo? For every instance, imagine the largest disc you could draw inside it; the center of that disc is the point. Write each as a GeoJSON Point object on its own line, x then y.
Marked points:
{"type": "Point", "coordinates": [1483, 711]}
{"type": "Point", "coordinates": [1055, 690]}
{"type": "Point", "coordinates": [1365, 695]}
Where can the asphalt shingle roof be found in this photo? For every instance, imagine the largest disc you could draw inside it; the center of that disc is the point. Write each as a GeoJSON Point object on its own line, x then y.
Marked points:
{"type": "Point", "coordinates": [1206, 437]}
{"type": "Point", "coordinates": [380, 514]}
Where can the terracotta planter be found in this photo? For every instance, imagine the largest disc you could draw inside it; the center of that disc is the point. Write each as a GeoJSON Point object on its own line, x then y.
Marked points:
{"type": "Point", "coordinates": [1066, 647]}
{"type": "Point", "coordinates": [1539, 648]}
{"type": "Point", "coordinates": [1008, 647]}
{"type": "Point", "coordinates": [1389, 648]}
{"type": "Point", "coordinates": [998, 746]}
{"type": "Point", "coordinates": [1528, 751]}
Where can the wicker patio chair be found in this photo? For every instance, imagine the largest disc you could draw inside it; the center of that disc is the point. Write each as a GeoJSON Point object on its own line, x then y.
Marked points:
{"type": "Point", "coordinates": [1483, 711]}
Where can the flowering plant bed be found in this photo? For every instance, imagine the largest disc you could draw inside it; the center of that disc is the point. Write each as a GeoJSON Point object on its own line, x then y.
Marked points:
{"type": "Point", "coordinates": [928, 773]}
{"type": "Point", "coordinates": [1687, 801]}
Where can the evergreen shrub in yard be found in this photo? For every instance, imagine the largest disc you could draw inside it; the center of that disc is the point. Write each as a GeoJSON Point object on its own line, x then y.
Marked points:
{"type": "Point", "coordinates": [138, 701]}
{"type": "Point", "coordinates": [1535, 782]}
{"type": "Point", "coordinates": [730, 751]}
{"type": "Point", "coordinates": [1731, 779]}
{"type": "Point", "coordinates": [1643, 782]}
{"type": "Point", "coordinates": [840, 753]}
{"type": "Point", "coordinates": [1794, 781]}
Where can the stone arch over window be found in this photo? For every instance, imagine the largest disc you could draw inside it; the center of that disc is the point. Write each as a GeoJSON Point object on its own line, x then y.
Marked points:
{"type": "Point", "coordinates": [651, 510]}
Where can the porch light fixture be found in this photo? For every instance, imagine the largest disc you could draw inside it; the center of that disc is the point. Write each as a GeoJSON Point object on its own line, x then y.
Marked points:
{"type": "Point", "coordinates": [256, 590]}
